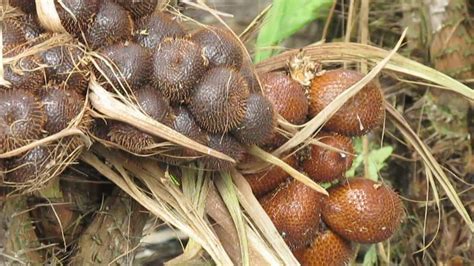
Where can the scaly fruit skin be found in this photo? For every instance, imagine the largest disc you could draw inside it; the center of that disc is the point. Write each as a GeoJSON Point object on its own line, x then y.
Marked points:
{"type": "Point", "coordinates": [185, 124]}
{"type": "Point", "coordinates": [111, 25]}
{"type": "Point", "coordinates": [12, 37]}
{"type": "Point", "coordinates": [269, 179]}
{"type": "Point", "coordinates": [140, 8]}
{"type": "Point", "coordinates": [220, 47]}
{"type": "Point", "coordinates": [65, 64]}
{"type": "Point", "coordinates": [25, 74]}
{"type": "Point", "coordinates": [22, 118]}
{"type": "Point", "coordinates": [27, 167]}
{"type": "Point", "coordinates": [226, 144]}
{"type": "Point", "coordinates": [77, 14]}
{"type": "Point", "coordinates": [27, 6]}
{"type": "Point", "coordinates": [327, 249]}
{"type": "Point", "coordinates": [61, 106]}
{"type": "Point", "coordinates": [287, 96]}
{"type": "Point", "coordinates": [358, 115]}
{"type": "Point", "coordinates": [131, 64]}
{"type": "Point", "coordinates": [152, 30]}
{"type": "Point", "coordinates": [219, 100]}
{"type": "Point", "coordinates": [152, 103]}
{"type": "Point", "coordinates": [295, 210]}
{"type": "Point", "coordinates": [327, 165]}
{"type": "Point", "coordinates": [249, 75]}
{"type": "Point", "coordinates": [259, 121]}
{"type": "Point", "coordinates": [178, 65]}
{"type": "Point", "coordinates": [362, 210]}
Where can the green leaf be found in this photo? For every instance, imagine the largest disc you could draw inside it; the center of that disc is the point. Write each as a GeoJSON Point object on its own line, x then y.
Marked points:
{"type": "Point", "coordinates": [284, 19]}
{"type": "Point", "coordinates": [52, 190]}
{"type": "Point", "coordinates": [370, 257]}
{"type": "Point", "coordinates": [377, 159]}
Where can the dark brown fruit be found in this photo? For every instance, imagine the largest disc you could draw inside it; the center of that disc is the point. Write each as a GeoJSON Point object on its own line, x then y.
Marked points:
{"type": "Point", "coordinates": [152, 30]}
{"type": "Point", "coordinates": [178, 65]}
{"type": "Point", "coordinates": [295, 210]}
{"type": "Point", "coordinates": [152, 103]}
{"type": "Point", "coordinates": [287, 96]}
{"type": "Point", "coordinates": [131, 65]}
{"type": "Point", "coordinates": [185, 124]}
{"type": "Point", "coordinates": [220, 47]}
{"type": "Point", "coordinates": [269, 179]}
{"type": "Point", "coordinates": [247, 72]}
{"type": "Point", "coordinates": [27, 6]}
{"type": "Point", "coordinates": [129, 137]}
{"type": "Point", "coordinates": [12, 37]}
{"type": "Point", "coordinates": [25, 74]}
{"type": "Point", "coordinates": [65, 66]}
{"type": "Point", "coordinates": [111, 25]}
{"type": "Point", "coordinates": [226, 144]}
{"type": "Point", "coordinates": [29, 166]}
{"type": "Point", "coordinates": [61, 107]}
{"type": "Point", "coordinates": [21, 118]}
{"type": "Point", "coordinates": [219, 100]}
{"type": "Point", "coordinates": [326, 165]}
{"type": "Point", "coordinates": [362, 210]}
{"type": "Point", "coordinates": [259, 121]}
{"type": "Point", "coordinates": [30, 26]}
{"type": "Point", "coordinates": [140, 8]}
{"type": "Point", "coordinates": [77, 14]}
{"type": "Point", "coordinates": [327, 249]}
{"type": "Point", "coordinates": [358, 115]}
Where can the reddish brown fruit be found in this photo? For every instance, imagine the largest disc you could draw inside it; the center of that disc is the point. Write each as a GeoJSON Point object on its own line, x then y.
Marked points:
{"type": "Point", "coordinates": [29, 166]}
{"type": "Point", "coordinates": [111, 25]}
{"type": "Point", "coordinates": [219, 100]}
{"type": "Point", "coordinates": [25, 74]}
{"type": "Point", "coordinates": [61, 107]}
{"type": "Point", "coordinates": [220, 47]}
{"type": "Point", "coordinates": [152, 30]}
{"type": "Point", "coordinates": [22, 118]}
{"type": "Point", "coordinates": [178, 65]}
{"type": "Point", "coordinates": [287, 96]}
{"type": "Point", "coordinates": [226, 144]}
{"type": "Point", "coordinates": [362, 210]}
{"type": "Point", "coordinates": [259, 121]}
{"type": "Point", "coordinates": [360, 114]}
{"type": "Point", "coordinates": [138, 9]}
{"type": "Point", "coordinates": [327, 249]}
{"type": "Point", "coordinates": [295, 210]}
{"type": "Point", "coordinates": [269, 179]}
{"type": "Point", "coordinates": [326, 165]}
{"type": "Point", "coordinates": [131, 65]}
{"type": "Point", "coordinates": [65, 66]}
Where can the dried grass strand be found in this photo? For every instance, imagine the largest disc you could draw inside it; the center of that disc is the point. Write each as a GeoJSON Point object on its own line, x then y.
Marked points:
{"type": "Point", "coordinates": [433, 166]}
{"type": "Point", "coordinates": [48, 15]}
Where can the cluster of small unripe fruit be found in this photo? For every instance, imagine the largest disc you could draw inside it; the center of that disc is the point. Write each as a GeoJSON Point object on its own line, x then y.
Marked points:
{"type": "Point", "coordinates": [198, 82]}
